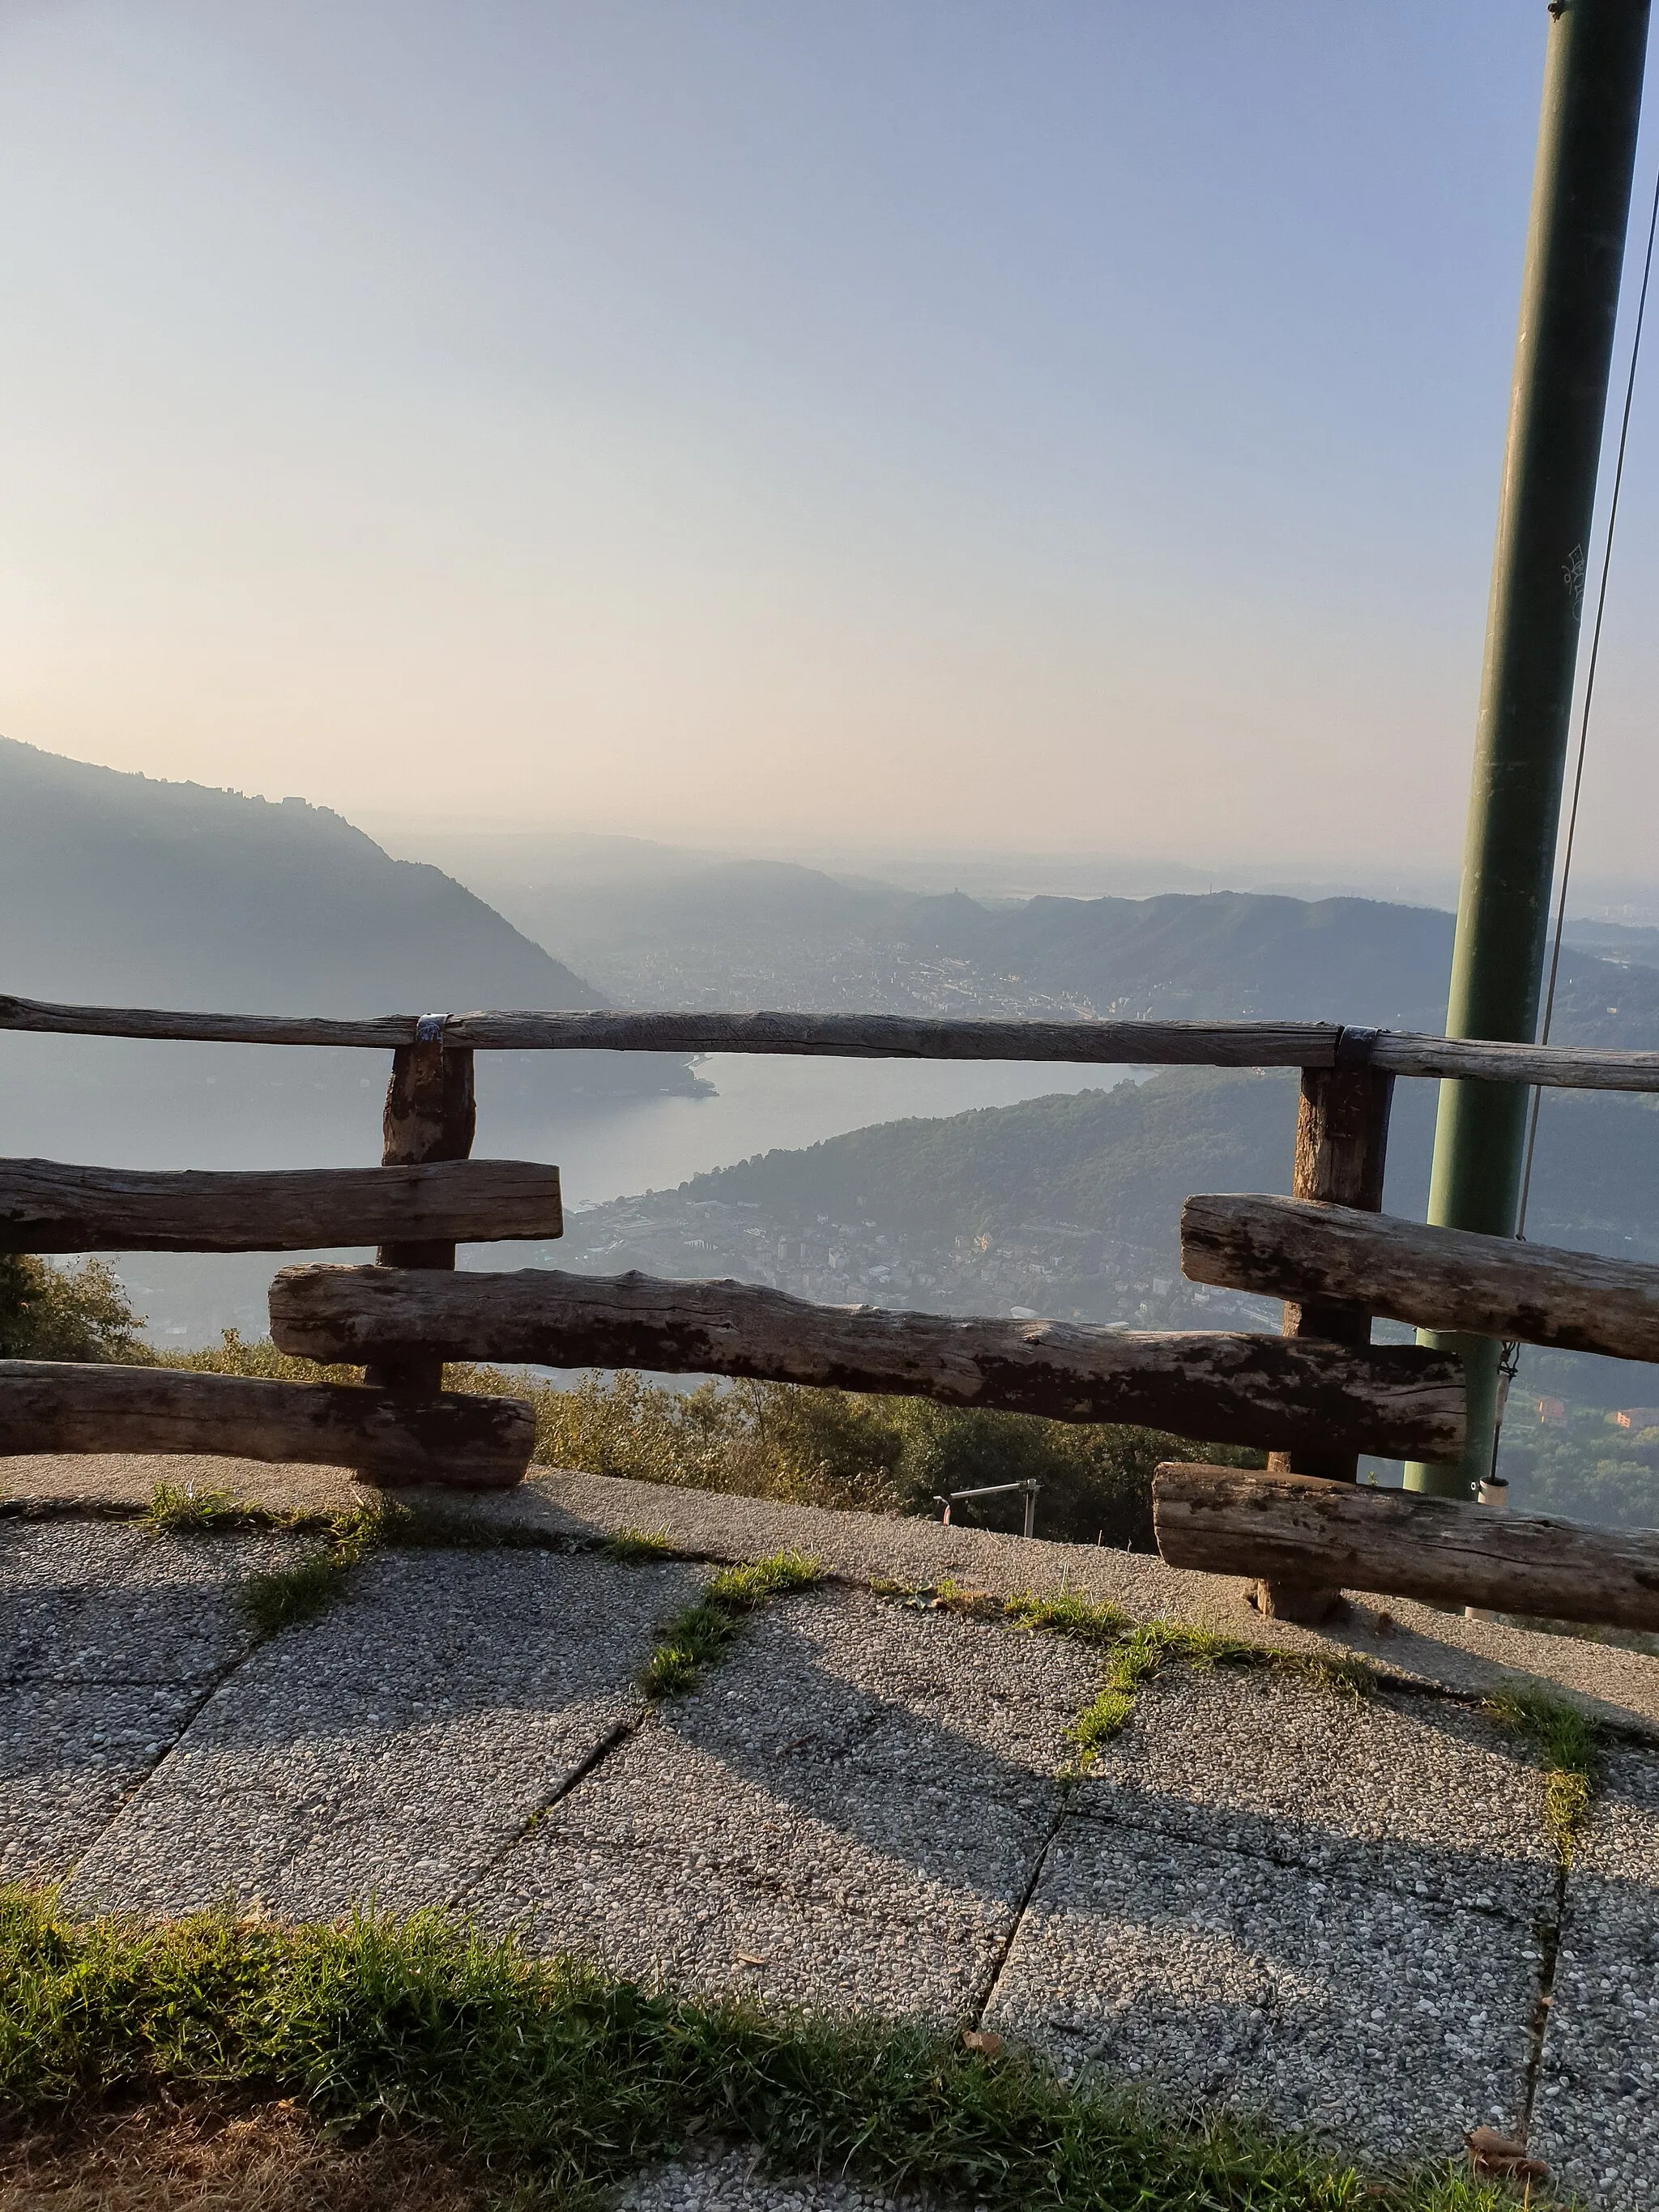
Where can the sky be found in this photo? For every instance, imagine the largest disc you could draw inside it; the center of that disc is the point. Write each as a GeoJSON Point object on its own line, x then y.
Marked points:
{"type": "Point", "coordinates": [839, 422]}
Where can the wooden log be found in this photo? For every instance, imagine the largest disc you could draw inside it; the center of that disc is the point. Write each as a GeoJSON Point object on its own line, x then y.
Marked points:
{"type": "Point", "coordinates": [836, 1037]}
{"type": "Point", "coordinates": [880, 1037]}
{"type": "Point", "coordinates": [430, 1115]}
{"type": "Point", "coordinates": [1554, 1066]}
{"type": "Point", "coordinates": [1444, 1279]}
{"type": "Point", "coordinates": [474, 1443]}
{"type": "Point", "coordinates": [1222, 1388]}
{"type": "Point", "coordinates": [1341, 1154]}
{"type": "Point", "coordinates": [47, 1205]}
{"type": "Point", "coordinates": [1230, 1521]}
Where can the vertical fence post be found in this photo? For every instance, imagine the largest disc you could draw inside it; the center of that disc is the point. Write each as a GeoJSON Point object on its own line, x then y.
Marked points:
{"type": "Point", "coordinates": [1341, 1152]}
{"type": "Point", "coordinates": [430, 1115]}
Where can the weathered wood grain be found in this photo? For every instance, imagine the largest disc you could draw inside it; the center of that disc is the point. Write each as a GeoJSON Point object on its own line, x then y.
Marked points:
{"type": "Point", "coordinates": [1224, 1389]}
{"type": "Point", "coordinates": [1445, 1278]}
{"type": "Point", "coordinates": [1555, 1066]}
{"type": "Point", "coordinates": [431, 1115]}
{"type": "Point", "coordinates": [1228, 1520]}
{"type": "Point", "coordinates": [883, 1036]}
{"type": "Point", "coordinates": [1341, 1154]}
{"type": "Point", "coordinates": [473, 1444]}
{"type": "Point", "coordinates": [50, 1205]}
{"type": "Point", "coordinates": [851, 1036]}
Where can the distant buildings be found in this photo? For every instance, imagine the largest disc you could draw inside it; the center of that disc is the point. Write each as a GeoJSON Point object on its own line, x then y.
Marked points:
{"type": "Point", "coordinates": [1553, 1413]}
{"type": "Point", "coordinates": [1637, 1417]}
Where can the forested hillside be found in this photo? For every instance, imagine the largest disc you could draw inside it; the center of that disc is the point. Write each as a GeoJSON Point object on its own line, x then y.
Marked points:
{"type": "Point", "coordinates": [124, 890]}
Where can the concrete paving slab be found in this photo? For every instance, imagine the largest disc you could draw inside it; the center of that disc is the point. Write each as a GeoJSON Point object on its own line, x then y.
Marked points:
{"type": "Point", "coordinates": [95, 1602]}
{"type": "Point", "coordinates": [1413, 1641]}
{"type": "Point", "coordinates": [389, 1749]}
{"type": "Point", "coordinates": [68, 1755]}
{"type": "Point", "coordinates": [1419, 1792]}
{"type": "Point", "coordinates": [1384, 2022]}
{"type": "Point", "coordinates": [848, 1812]}
{"type": "Point", "coordinates": [1596, 2115]}
{"type": "Point", "coordinates": [735, 2181]}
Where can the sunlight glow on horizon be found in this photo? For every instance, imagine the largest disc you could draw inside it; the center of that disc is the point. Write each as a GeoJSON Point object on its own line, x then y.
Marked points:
{"type": "Point", "coordinates": [982, 426]}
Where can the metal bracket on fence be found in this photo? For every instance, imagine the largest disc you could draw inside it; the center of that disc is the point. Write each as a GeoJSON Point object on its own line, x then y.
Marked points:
{"type": "Point", "coordinates": [1355, 1047]}
{"type": "Point", "coordinates": [946, 1499]}
{"type": "Point", "coordinates": [429, 1028]}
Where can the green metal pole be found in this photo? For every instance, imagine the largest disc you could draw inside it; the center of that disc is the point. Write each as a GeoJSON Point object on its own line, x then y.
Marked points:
{"type": "Point", "coordinates": [1568, 302]}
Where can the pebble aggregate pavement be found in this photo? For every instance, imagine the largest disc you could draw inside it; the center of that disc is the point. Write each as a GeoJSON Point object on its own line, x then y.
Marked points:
{"type": "Point", "coordinates": [1345, 1914]}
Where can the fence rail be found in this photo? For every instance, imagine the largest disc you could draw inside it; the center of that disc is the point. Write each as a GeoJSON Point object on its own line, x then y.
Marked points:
{"type": "Point", "coordinates": [1315, 1396]}
{"type": "Point", "coordinates": [47, 1205]}
{"type": "Point", "coordinates": [1228, 1388]}
{"type": "Point", "coordinates": [882, 1036]}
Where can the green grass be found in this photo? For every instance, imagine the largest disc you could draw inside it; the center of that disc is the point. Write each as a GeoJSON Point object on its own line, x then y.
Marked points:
{"type": "Point", "coordinates": [632, 1548]}
{"type": "Point", "coordinates": [696, 1638]}
{"type": "Point", "coordinates": [177, 1509]}
{"type": "Point", "coordinates": [1133, 1651]}
{"type": "Point", "coordinates": [561, 2083]}
{"type": "Point", "coordinates": [283, 1596]}
{"type": "Point", "coordinates": [1567, 1744]}
{"type": "Point", "coordinates": [280, 1597]}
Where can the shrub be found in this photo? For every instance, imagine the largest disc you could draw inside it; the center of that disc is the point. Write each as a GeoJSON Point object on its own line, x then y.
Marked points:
{"type": "Point", "coordinates": [61, 1310]}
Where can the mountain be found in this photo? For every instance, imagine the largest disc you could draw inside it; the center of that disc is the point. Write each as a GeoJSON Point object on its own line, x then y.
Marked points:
{"type": "Point", "coordinates": [120, 890]}
{"type": "Point", "coordinates": [659, 925]}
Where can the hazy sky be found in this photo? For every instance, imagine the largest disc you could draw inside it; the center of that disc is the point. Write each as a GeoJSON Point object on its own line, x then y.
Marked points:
{"type": "Point", "coordinates": [910, 421]}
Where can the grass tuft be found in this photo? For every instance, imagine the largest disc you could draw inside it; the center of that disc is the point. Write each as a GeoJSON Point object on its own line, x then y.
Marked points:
{"type": "Point", "coordinates": [1567, 1744]}
{"type": "Point", "coordinates": [1084, 1619]}
{"type": "Point", "coordinates": [280, 1596]}
{"type": "Point", "coordinates": [181, 1509]}
{"type": "Point", "coordinates": [557, 2084]}
{"type": "Point", "coordinates": [631, 1547]}
{"type": "Point", "coordinates": [696, 1638]}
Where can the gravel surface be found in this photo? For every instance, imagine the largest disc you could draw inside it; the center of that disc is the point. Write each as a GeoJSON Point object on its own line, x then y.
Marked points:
{"type": "Point", "coordinates": [1383, 2022]}
{"type": "Point", "coordinates": [1418, 1792]}
{"type": "Point", "coordinates": [1413, 1641]}
{"type": "Point", "coordinates": [733, 2181]}
{"type": "Point", "coordinates": [98, 1601]}
{"type": "Point", "coordinates": [1324, 1908]}
{"type": "Point", "coordinates": [110, 1637]}
{"type": "Point", "coordinates": [1597, 2113]}
{"type": "Point", "coordinates": [68, 1755]}
{"type": "Point", "coordinates": [389, 1749]}
{"type": "Point", "coordinates": [849, 1812]}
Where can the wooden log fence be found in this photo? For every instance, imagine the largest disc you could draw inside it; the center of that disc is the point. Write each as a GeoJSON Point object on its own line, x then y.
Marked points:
{"type": "Point", "coordinates": [1290, 1527]}
{"type": "Point", "coordinates": [46, 1205]}
{"type": "Point", "coordinates": [1444, 1279]}
{"type": "Point", "coordinates": [885, 1037]}
{"type": "Point", "coordinates": [1220, 1388]}
{"type": "Point", "coordinates": [476, 1443]}
{"type": "Point", "coordinates": [1316, 1395]}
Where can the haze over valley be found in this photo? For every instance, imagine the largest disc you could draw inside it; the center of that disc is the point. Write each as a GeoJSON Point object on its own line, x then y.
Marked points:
{"type": "Point", "coordinates": [956, 1188]}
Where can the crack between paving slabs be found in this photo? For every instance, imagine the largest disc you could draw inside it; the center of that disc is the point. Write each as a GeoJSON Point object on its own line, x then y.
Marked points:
{"type": "Point", "coordinates": [1006, 1948]}
{"type": "Point", "coordinates": [615, 1736]}
{"type": "Point", "coordinates": [136, 1789]}
{"type": "Point", "coordinates": [1549, 1947]}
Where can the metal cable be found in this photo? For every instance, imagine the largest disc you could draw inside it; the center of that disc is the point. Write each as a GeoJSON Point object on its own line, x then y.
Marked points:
{"type": "Point", "coordinates": [1511, 1352]}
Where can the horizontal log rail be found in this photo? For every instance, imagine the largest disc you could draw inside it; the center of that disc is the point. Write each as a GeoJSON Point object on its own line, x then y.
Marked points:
{"type": "Point", "coordinates": [47, 1205]}
{"type": "Point", "coordinates": [1443, 1278]}
{"type": "Point", "coordinates": [470, 1443]}
{"type": "Point", "coordinates": [1272, 1391]}
{"type": "Point", "coordinates": [1230, 1521]}
{"type": "Point", "coordinates": [885, 1037]}
{"type": "Point", "coordinates": [852, 1036]}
